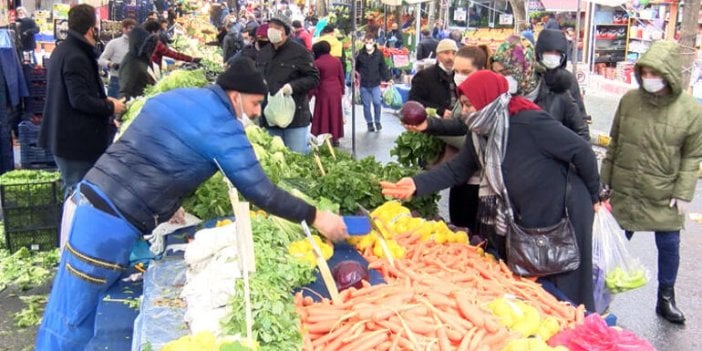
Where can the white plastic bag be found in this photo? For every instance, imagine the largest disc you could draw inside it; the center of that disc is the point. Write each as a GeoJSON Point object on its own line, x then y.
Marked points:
{"type": "Point", "coordinates": [613, 265]}
{"type": "Point", "coordinates": [280, 110]}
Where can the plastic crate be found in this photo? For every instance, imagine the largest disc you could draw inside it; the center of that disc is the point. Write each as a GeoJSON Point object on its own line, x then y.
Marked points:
{"type": "Point", "coordinates": [35, 104]}
{"type": "Point", "coordinates": [31, 155]}
{"type": "Point", "coordinates": [37, 89]}
{"type": "Point", "coordinates": [34, 73]}
{"type": "Point", "coordinates": [31, 213]}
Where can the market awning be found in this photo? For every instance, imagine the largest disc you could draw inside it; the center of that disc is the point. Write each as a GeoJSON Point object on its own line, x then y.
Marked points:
{"type": "Point", "coordinates": [392, 2]}
{"type": "Point", "coordinates": [611, 3]}
{"type": "Point", "coordinates": [562, 5]}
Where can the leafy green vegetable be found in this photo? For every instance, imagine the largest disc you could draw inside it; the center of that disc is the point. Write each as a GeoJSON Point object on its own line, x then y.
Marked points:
{"type": "Point", "coordinates": [30, 316]}
{"type": "Point", "coordinates": [27, 269]}
{"type": "Point", "coordinates": [276, 323]}
{"type": "Point", "coordinates": [416, 149]}
{"type": "Point", "coordinates": [347, 182]}
{"type": "Point", "coordinates": [210, 199]}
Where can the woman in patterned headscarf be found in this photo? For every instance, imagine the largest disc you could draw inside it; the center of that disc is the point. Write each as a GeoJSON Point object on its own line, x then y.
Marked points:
{"type": "Point", "coordinates": [516, 60]}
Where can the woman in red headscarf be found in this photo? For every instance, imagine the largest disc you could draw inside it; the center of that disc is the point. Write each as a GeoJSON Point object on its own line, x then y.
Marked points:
{"type": "Point", "coordinates": [523, 150]}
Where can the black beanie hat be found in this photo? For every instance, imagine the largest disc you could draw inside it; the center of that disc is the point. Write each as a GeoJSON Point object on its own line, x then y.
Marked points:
{"type": "Point", "coordinates": [243, 77]}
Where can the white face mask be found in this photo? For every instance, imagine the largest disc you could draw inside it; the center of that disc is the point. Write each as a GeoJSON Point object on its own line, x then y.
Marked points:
{"type": "Point", "coordinates": [513, 84]}
{"type": "Point", "coordinates": [275, 36]}
{"type": "Point", "coordinates": [551, 61]}
{"type": "Point", "coordinates": [653, 85]}
{"type": "Point", "coordinates": [244, 118]}
{"type": "Point", "coordinates": [444, 68]}
{"type": "Point", "coordinates": [459, 78]}
{"type": "Point", "coordinates": [370, 47]}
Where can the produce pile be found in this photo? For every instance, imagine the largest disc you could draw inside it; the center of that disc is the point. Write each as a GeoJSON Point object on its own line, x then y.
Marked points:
{"type": "Point", "coordinates": [174, 80]}
{"type": "Point", "coordinates": [446, 294]}
{"type": "Point", "coordinates": [346, 182]}
{"type": "Point", "coordinates": [276, 324]}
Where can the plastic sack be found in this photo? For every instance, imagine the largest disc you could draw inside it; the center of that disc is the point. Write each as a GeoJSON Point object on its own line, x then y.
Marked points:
{"type": "Point", "coordinates": [280, 110]}
{"type": "Point", "coordinates": [611, 259]}
{"type": "Point", "coordinates": [392, 97]}
{"type": "Point", "coordinates": [594, 334]}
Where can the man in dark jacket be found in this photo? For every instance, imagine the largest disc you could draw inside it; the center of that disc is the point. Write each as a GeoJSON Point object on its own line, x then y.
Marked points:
{"type": "Point", "coordinates": [434, 86]}
{"type": "Point", "coordinates": [27, 29]}
{"type": "Point", "coordinates": [370, 65]}
{"type": "Point", "coordinates": [141, 181]}
{"type": "Point", "coordinates": [77, 113]}
{"type": "Point", "coordinates": [551, 53]}
{"type": "Point", "coordinates": [289, 69]}
{"type": "Point", "coordinates": [426, 47]}
{"type": "Point", "coordinates": [232, 43]}
{"type": "Point", "coordinates": [259, 40]}
{"type": "Point", "coordinates": [552, 23]}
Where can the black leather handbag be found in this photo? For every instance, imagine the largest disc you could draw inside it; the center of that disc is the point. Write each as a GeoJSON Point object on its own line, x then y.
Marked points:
{"type": "Point", "coordinates": [542, 251]}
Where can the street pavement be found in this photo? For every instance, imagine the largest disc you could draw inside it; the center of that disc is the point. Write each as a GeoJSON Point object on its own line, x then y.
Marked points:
{"type": "Point", "coordinates": [634, 309]}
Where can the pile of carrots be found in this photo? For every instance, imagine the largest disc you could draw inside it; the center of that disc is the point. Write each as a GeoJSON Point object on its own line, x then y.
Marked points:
{"type": "Point", "coordinates": [436, 299]}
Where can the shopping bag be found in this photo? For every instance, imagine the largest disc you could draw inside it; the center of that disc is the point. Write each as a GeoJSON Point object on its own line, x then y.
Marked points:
{"type": "Point", "coordinates": [612, 262]}
{"type": "Point", "coordinates": [280, 110]}
{"type": "Point", "coordinates": [392, 97]}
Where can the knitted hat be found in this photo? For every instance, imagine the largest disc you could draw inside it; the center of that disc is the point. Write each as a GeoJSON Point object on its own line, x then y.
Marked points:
{"type": "Point", "coordinates": [446, 45]}
{"type": "Point", "coordinates": [281, 22]}
{"type": "Point", "coordinates": [262, 31]}
{"type": "Point", "coordinates": [243, 77]}
{"type": "Point", "coordinates": [517, 57]}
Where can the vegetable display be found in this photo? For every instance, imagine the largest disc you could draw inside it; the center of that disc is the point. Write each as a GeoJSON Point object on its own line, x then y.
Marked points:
{"type": "Point", "coordinates": [448, 296]}
{"type": "Point", "coordinates": [276, 324]}
{"type": "Point", "coordinates": [347, 182]}
{"type": "Point", "coordinates": [26, 269]}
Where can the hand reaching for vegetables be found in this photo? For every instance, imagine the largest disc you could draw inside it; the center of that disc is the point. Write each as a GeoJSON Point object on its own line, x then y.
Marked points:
{"type": "Point", "coordinates": [330, 225]}
{"type": "Point", "coordinates": [417, 128]}
{"type": "Point", "coordinates": [404, 189]}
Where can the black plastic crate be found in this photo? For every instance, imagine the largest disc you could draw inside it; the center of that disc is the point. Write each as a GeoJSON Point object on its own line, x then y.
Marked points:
{"type": "Point", "coordinates": [31, 155]}
{"type": "Point", "coordinates": [34, 239]}
{"type": "Point", "coordinates": [31, 214]}
{"type": "Point", "coordinates": [34, 104]}
{"type": "Point", "coordinates": [37, 89]}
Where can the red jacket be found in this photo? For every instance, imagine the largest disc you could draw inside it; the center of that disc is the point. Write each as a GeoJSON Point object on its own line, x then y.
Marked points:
{"type": "Point", "coordinates": [162, 50]}
{"type": "Point", "coordinates": [306, 38]}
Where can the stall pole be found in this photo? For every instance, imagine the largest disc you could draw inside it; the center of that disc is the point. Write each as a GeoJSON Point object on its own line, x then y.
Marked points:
{"type": "Point", "coordinates": [576, 41]}
{"type": "Point", "coordinates": [353, 77]}
{"type": "Point", "coordinates": [418, 23]}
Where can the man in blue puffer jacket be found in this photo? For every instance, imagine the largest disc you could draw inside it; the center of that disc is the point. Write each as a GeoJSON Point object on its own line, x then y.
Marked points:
{"type": "Point", "coordinates": [140, 181]}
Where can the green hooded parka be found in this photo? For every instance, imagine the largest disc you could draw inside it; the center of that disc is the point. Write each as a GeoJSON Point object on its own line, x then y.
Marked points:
{"type": "Point", "coordinates": [655, 149]}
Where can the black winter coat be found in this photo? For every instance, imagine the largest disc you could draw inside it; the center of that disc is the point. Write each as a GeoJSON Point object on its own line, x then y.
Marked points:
{"type": "Point", "coordinates": [232, 43]}
{"type": "Point", "coordinates": [76, 115]}
{"type": "Point", "coordinates": [539, 153]}
{"type": "Point", "coordinates": [426, 47]}
{"type": "Point", "coordinates": [555, 98]}
{"type": "Point", "coordinates": [133, 71]}
{"type": "Point", "coordinates": [372, 68]}
{"type": "Point", "coordinates": [290, 64]}
{"type": "Point", "coordinates": [554, 39]}
{"type": "Point", "coordinates": [27, 28]}
{"type": "Point", "coordinates": [433, 87]}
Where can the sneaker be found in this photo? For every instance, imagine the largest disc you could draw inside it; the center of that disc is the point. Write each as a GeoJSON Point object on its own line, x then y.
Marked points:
{"type": "Point", "coordinates": [371, 127]}
{"type": "Point", "coordinates": [378, 126]}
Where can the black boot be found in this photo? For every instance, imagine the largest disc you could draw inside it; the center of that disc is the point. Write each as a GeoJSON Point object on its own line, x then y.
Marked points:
{"type": "Point", "coordinates": [371, 127]}
{"type": "Point", "coordinates": [378, 126]}
{"type": "Point", "coordinates": [665, 306]}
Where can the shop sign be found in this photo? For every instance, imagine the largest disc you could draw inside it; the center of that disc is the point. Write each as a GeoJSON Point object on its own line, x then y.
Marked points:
{"type": "Point", "coordinates": [459, 15]}
{"type": "Point", "coordinates": [60, 11]}
{"type": "Point", "coordinates": [506, 19]}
